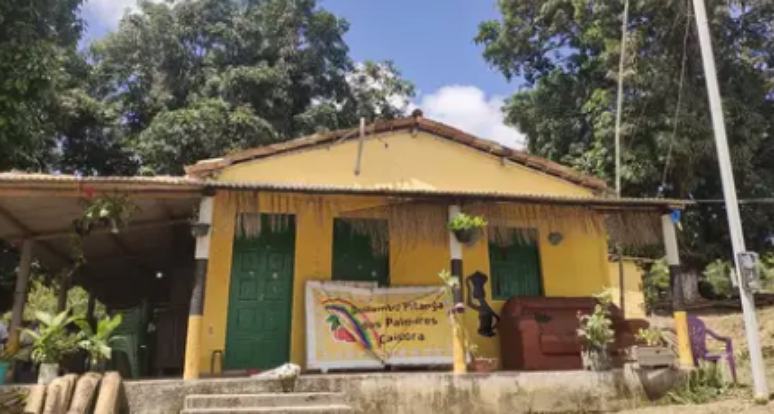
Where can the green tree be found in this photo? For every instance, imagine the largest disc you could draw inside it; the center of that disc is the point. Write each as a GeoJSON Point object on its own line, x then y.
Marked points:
{"type": "Point", "coordinates": [35, 37]}
{"type": "Point", "coordinates": [182, 81]}
{"type": "Point", "coordinates": [567, 52]}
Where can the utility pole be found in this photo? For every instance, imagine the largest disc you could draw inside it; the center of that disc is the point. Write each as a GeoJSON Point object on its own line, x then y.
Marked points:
{"type": "Point", "coordinates": [618, 115]}
{"type": "Point", "coordinates": [732, 205]}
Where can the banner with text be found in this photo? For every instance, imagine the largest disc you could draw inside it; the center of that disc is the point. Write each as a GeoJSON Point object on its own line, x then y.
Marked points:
{"type": "Point", "coordinates": [370, 327]}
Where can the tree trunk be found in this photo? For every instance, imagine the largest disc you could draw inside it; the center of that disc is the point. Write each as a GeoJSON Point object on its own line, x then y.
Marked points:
{"type": "Point", "coordinates": [690, 282]}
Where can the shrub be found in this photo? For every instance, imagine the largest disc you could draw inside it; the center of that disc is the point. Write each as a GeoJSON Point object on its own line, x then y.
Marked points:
{"type": "Point", "coordinates": [717, 275]}
{"type": "Point", "coordinates": [596, 329]}
{"type": "Point", "coordinates": [656, 282]}
{"type": "Point", "coordinates": [52, 342]}
{"type": "Point", "coordinates": [704, 384]}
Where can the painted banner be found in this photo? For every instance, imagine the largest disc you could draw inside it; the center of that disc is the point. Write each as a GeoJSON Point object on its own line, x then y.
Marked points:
{"type": "Point", "coordinates": [370, 327]}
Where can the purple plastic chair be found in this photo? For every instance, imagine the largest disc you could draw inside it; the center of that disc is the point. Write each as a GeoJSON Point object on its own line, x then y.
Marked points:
{"type": "Point", "coordinates": [698, 332]}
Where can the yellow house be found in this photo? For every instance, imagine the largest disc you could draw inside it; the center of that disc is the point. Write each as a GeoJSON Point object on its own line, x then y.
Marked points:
{"type": "Point", "coordinates": [372, 205]}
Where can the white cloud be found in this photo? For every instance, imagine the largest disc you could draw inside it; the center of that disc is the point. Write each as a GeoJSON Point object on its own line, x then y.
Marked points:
{"type": "Point", "coordinates": [469, 109]}
{"type": "Point", "coordinates": [107, 13]}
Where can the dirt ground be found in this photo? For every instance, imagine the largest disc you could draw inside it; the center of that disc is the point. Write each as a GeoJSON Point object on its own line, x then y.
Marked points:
{"type": "Point", "coordinates": [730, 324]}
{"type": "Point", "coordinates": [720, 407]}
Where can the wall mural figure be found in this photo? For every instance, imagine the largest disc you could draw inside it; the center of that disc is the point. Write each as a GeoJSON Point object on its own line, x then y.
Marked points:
{"type": "Point", "coordinates": [487, 318]}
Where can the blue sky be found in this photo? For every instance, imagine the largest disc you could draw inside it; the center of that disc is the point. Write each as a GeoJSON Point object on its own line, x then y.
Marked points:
{"type": "Point", "coordinates": [431, 42]}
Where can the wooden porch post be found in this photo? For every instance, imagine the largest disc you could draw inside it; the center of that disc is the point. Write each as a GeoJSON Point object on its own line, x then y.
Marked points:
{"type": "Point", "coordinates": [196, 310]}
{"type": "Point", "coordinates": [20, 294]}
{"type": "Point", "coordinates": [455, 250]}
{"type": "Point", "coordinates": [64, 287]}
{"type": "Point", "coordinates": [678, 303]}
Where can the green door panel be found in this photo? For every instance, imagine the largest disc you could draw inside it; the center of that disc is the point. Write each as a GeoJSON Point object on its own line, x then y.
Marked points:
{"type": "Point", "coordinates": [354, 259]}
{"type": "Point", "coordinates": [515, 269]}
{"type": "Point", "coordinates": [260, 298]}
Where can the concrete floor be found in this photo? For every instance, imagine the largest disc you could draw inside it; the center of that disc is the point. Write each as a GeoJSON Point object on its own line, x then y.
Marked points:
{"type": "Point", "coordinates": [424, 393]}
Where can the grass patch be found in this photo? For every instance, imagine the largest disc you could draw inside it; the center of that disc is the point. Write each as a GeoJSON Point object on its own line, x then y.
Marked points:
{"type": "Point", "coordinates": [704, 384]}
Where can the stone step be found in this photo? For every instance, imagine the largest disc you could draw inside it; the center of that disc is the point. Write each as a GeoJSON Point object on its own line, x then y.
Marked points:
{"type": "Point", "coordinates": [263, 400]}
{"type": "Point", "coordinates": [321, 409]}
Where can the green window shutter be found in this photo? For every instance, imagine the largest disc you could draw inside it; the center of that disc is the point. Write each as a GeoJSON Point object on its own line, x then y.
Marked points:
{"type": "Point", "coordinates": [515, 268]}
{"type": "Point", "coordinates": [361, 251]}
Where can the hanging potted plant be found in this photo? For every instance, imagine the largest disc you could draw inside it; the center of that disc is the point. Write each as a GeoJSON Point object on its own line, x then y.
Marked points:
{"type": "Point", "coordinates": [113, 211]}
{"type": "Point", "coordinates": [467, 229]}
{"type": "Point", "coordinates": [651, 350]}
{"type": "Point", "coordinates": [596, 334]}
{"type": "Point", "coordinates": [104, 211]}
{"type": "Point", "coordinates": [51, 343]}
{"type": "Point", "coordinates": [96, 343]}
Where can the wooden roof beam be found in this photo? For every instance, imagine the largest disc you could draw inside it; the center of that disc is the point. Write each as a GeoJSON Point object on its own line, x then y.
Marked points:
{"type": "Point", "coordinates": [140, 225]}
{"type": "Point", "coordinates": [28, 234]}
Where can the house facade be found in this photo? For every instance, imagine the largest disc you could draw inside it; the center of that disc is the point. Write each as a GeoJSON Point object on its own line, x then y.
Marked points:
{"type": "Point", "coordinates": [372, 206]}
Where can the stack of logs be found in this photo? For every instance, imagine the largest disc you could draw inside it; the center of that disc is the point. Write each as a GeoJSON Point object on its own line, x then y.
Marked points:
{"type": "Point", "coordinates": [91, 393]}
{"type": "Point", "coordinates": [11, 401]}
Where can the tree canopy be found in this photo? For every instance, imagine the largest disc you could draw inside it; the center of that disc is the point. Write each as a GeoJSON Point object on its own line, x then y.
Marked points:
{"type": "Point", "coordinates": [174, 83]}
{"type": "Point", "coordinates": [36, 37]}
{"type": "Point", "coordinates": [178, 82]}
{"type": "Point", "coordinates": [567, 51]}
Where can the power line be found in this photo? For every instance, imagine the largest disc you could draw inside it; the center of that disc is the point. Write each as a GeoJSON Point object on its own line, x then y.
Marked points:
{"type": "Point", "coordinates": [679, 101]}
{"type": "Point", "coordinates": [741, 201]}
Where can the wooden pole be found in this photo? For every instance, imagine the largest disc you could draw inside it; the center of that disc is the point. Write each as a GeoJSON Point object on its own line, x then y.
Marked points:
{"type": "Point", "coordinates": [455, 250]}
{"type": "Point", "coordinates": [196, 310]}
{"type": "Point", "coordinates": [20, 294]}
{"type": "Point", "coordinates": [678, 303]}
{"type": "Point", "coordinates": [61, 294]}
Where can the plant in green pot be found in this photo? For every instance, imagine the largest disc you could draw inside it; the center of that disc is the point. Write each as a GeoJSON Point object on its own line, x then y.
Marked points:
{"type": "Point", "coordinates": [6, 362]}
{"type": "Point", "coordinates": [52, 343]}
{"type": "Point", "coordinates": [596, 334]}
{"type": "Point", "coordinates": [96, 342]}
{"type": "Point", "coordinates": [467, 229]}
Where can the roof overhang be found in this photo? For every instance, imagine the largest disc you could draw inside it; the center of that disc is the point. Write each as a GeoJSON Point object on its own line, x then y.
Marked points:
{"type": "Point", "coordinates": [210, 167]}
{"type": "Point", "coordinates": [42, 207]}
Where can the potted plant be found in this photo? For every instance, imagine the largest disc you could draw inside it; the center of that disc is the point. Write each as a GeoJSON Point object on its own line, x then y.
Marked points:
{"type": "Point", "coordinates": [96, 342]}
{"type": "Point", "coordinates": [113, 211]}
{"type": "Point", "coordinates": [6, 361]}
{"type": "Point", "coordinates": [596, 334]}
{"type": "Point", "coordinates": [467, 229]}
{"type": "Point", "coordinates": [651, 350]}
{"type": "Point", "coordinates": [479, 363]}
{"type": "Point", "coordinates": [51, 343]}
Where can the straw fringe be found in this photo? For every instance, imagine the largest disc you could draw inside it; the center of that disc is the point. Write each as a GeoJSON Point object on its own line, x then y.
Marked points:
{"type": "Point", "coordinates": [426, 221]}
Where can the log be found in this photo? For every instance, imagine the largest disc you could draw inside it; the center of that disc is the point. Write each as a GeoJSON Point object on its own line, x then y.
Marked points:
{"type": "Point", "coordinates": [35, 400]}
{"type": "Point", "coordinates": [54, 397]}
{"type": "Point", "coordinates": [85, 394]}
{"type": "Point", "coordinates": [68, 386]}
{"type": "Point", "coordinates": [109, 393]}
{"type": "Point", "coordinates": [11, 401]}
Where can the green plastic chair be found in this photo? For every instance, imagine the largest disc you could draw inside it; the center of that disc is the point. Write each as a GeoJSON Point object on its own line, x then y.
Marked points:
{"type": "Point", "coordinates": [131, 335]}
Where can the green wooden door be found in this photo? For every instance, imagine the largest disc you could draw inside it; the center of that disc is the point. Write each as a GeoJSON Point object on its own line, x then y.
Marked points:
{"type": "Point", "coordinates": [515, 269]}
{"type": "Point", "coordinates": [354, 255]}
{"type": "Point", "coordinates": [260, 298]}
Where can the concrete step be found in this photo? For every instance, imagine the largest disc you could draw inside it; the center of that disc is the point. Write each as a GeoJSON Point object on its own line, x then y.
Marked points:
{"type": "Point", "coordinates": [263, 400]}
{"type": "Point", "coordinates": [321, 409]}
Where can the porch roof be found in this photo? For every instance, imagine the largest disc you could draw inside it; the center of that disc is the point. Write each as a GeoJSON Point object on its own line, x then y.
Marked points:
{"type": "Point", "coordinates": [42, 207]}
